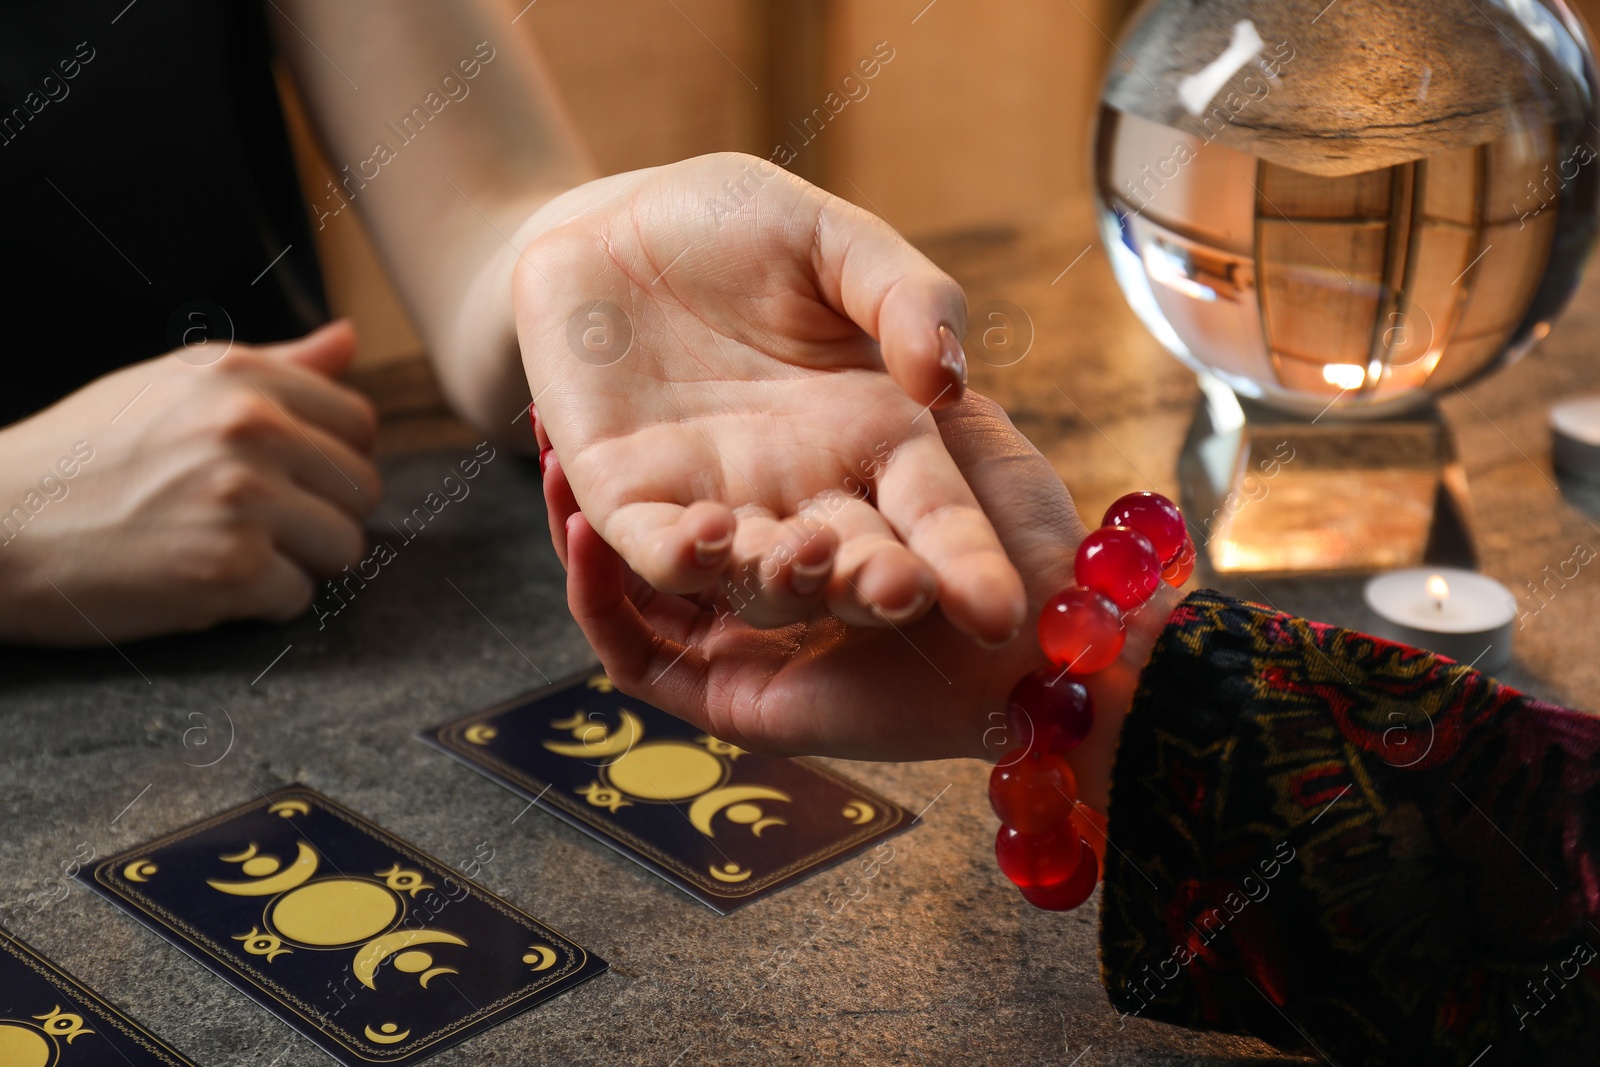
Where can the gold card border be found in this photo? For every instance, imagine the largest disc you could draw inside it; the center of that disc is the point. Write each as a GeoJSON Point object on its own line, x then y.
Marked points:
{"type": "Point", "coordinates": [449, 735]}
{"type": "Point", "coordinates": [67, 984]}
{"type": "Point", "coordinates": [106, 874]}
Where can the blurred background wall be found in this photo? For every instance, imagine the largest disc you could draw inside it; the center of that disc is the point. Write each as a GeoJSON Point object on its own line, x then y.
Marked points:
{"type": "Point", "coordinates": [982, 115]}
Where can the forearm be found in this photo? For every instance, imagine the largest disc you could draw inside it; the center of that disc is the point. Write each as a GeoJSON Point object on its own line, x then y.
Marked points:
{"type": "Point", "coordinates": [452, 141]}
{"type": "Point", "coordinates": [1326, 839]}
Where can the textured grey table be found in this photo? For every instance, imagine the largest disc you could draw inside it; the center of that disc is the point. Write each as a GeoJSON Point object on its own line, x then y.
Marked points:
{"type": "Point", "coordinates": [940, 962]}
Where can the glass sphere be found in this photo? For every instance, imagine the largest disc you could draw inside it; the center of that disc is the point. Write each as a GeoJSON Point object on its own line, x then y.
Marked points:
{"type": "Point", "coordinates": [1349, 206]}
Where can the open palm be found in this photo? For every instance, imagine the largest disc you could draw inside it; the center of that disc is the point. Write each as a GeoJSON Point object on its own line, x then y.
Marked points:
{"type": "Point", "coordinates": [921, 691]}
{"type": "Point", "coordinates": [738, 373]}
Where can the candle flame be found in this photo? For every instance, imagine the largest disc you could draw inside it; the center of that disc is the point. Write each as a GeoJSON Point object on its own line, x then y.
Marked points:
{"type": "Point", "coordinates": [1439, 589]}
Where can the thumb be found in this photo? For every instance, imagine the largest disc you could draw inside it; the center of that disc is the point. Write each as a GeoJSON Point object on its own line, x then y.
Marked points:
{"type": "Point", "coordinates": [915, 311]}
{"type": "Point", "coordinates": [327, 350]}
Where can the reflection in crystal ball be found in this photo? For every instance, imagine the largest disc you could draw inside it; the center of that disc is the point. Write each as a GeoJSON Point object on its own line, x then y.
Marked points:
{"type": "Point", "coordinates": [1349, 206]}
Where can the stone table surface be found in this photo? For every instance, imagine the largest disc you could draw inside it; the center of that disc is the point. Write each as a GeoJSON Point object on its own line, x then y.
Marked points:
{"type": "Point", "coordinates": [936, 961]}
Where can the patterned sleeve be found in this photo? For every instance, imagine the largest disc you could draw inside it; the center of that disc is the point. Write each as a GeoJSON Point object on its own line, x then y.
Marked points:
{"type": "Point", "coordinates": [1352, 849]}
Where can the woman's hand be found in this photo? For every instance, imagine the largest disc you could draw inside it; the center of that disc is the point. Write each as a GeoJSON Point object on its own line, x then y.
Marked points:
{"type": "Point", "coordinates": [174, 496]}
{"type": "Point", "coordinates": [706, 343]}
{"type": "Point", "coordinates": [921, 691]}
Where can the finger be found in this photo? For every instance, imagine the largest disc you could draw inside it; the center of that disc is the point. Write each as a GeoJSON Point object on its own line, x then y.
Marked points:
{"type": "Point", "coordinates": [320, 538]}
{"type": "Point", "coordinates": [312, 397]}
{"type": "Point", "coordinates": [922, 493]}
{"type": "Point", "coordinates": [559, 503]}
{"type": "Point", "coordinates": [282, 593]}
{"type": "Point", "coordinates": [780, 570]}
{"type": "Point", "coordinates": [635, 657]}
{"type": "Point", "coordinates": [326, 466]}
{"type": "Point", "coordinates": [916, 311]}
{"type": "Point", "coordinates": [327, 350]}
{"type": "Point", "coordinates": [995, 459]}
{"type": "Point", "coordinates": [877, 580]}
{"type": "Point", "coordinates": [681, 550]}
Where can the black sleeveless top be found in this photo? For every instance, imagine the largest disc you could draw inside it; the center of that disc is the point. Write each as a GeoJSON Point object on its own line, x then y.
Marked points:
{"type": "Point", "coordinates": [146, 189]}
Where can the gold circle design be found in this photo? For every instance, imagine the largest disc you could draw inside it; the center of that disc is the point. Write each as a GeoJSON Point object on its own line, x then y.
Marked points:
{"type": "Point", "coordinates": [665, 770]}
{"type": "Point", "coordinates": [23, 1046]}
{"type": "Point", "coordinates": [338, 911]}
{"type": "Point", "coordinates": [743, 813]}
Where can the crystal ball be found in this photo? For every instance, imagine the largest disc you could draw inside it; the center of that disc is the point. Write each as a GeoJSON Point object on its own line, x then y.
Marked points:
{"type": "Point", "coordinates": [1346, 207]}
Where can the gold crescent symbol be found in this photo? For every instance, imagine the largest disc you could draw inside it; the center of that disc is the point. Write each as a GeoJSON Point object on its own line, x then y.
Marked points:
{"type": "Point", "coordinates": [286, 808]}
{"type": "Point", "coordinates": [426, 975]}
{"type": "Point", "coordinates": [388, 1037]}
{"type": "Point", "coordinates": [614, 743]}
{"type": "Point", "coordinates": [703, 810]}
{"type": "Point", "coordinates": [139, 871]}
{"type": "Point", "coordinates": [859, 812]}
{"type": "Point", "coordinates": [58, 1023]}
{"type": "Point", "coordinates": [480, 733]}
{"type": "Point", "coordinates": [730, 872]}
{"type": "Point", "coordinates": [600, 682]}
{"type": "Point", "coordinates": [374, 952]}
{"type": "Point", "coordinates": [542, 957]}
{"type": "Point", "coordinates": [297, 873]}
{"type": "Point", "coordinates": [764, 823]}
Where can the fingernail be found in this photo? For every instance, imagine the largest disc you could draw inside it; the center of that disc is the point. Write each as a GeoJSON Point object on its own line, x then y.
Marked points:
{"type": "Point", "coordinates": [806, 581]}
{"type": "Point", "coordinates": [995, 646]}
{"type": "Point", "coordinates": [951, 358]}
{"type": "Point", "coordinates": [544, 458]}
{"type": "Point", "coordinates": [903, 614]}
{"type": "Point", "coordinates": [710, 553]}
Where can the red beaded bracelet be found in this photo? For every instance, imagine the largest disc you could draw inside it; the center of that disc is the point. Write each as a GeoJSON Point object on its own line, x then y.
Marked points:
{"type": "Point", "coordinates": [1052, 845]}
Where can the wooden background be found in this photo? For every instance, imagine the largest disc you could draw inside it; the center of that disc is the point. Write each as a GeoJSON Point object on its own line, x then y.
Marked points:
{"type": "Point", "coordinates": [983, 115]}
{"type": "Point", "coordinates": [982, 118]}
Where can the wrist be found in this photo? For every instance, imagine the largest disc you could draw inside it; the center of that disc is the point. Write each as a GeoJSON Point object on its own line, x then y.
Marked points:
{"type": "Point", "coordinates": [1051, 798]}
{"type": "Point", "coordinates": [21, 568]}
{"type": "Point", "coordinates": [1112, 691]}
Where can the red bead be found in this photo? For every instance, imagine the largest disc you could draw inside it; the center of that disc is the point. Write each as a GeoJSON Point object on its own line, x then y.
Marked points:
{"type": "Point", "coordinates": [1068, 894]}
{"type": "Point", "coordinates": [1180, 566]}
{"type": "Point", "coordinates": [1121, 563]}
{"type": "Point", "coordinates": [1032, 792]}
{"type": "Point", "coordinates": [1082, 630]}
{"type": "Point", "coordinates": [1152, 515]}
{"type": "Point", "coordinates": [1049, 712]}
{"type": "Point", "coordinates": [1039, 860]}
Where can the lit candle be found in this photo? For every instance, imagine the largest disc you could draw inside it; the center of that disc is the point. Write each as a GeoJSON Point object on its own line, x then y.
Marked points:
{"type": "Point", "coordinates": [1461, 614]}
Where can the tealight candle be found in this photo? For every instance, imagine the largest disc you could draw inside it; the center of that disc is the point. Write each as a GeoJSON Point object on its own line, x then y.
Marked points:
{"type": "Point", "coordinates": [1461, 614]}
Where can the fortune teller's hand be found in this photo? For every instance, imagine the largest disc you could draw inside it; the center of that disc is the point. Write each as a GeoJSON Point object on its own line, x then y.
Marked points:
{"type": "Point", "coordinates": [172, 496]}
{"type": "Point", "coordinates": [920, 691]}
{"type": "Point", "coordinates": [706, 344]}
